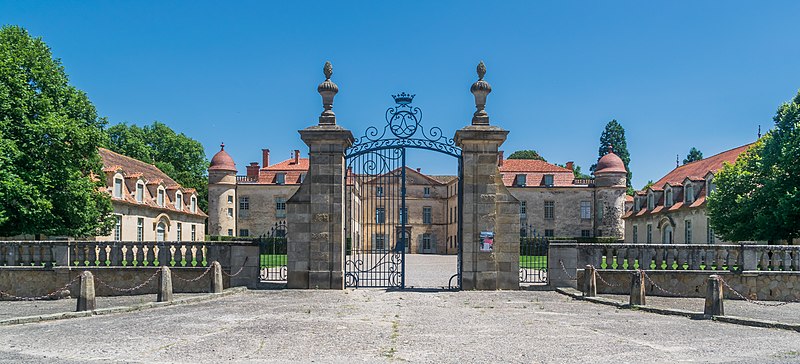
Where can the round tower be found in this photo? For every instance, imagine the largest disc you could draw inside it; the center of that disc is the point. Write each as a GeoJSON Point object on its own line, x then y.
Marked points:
{"type": "Point", "coordinates": [222, 194]}
{"type": "Point", "coordinates": [611, 184]}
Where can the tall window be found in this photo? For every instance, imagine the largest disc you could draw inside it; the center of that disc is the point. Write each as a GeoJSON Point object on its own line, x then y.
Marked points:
{"type": "Point", "coordinates": [118, 187]}
{"type": "Point", "coordinates": [179, 230]}
{"type": "Point", "coordinates": [668, 197]}
{"type": "Point", "coordinates": [230, 232]}
{"type": "Point", "coordinates": [549, 210]}
{"type": "Point", "coordinates": [689, 193]}
{"type": "Point", "coordinates": [709, 232]}
{"type": "Point", "coordinates": [230, 211]}
{"type": "Point", "coordinates": [586, 210]}
{"type": "Point", "coordinates": [548, 180]}
{"type": "Point", "coordinates": [426, 215]}
{"type": "Point", "coordinates": [709, 187]}
{"type": "Point", "coordinates": [635, 234]}
{"type": "Point", "coordinates": [139, 192]}
{"type": "Point", "coordinates": [160, 198]}
{"type": "Point", "coordinates": [230, 198]}
{"type": "Point", "coordinates": [688, 234]}
{"type": "Point", "coordinates": [194, 232]}
{"type": "Point", "coordinates": [403, 216]}
{"type": "Point", "coordinates": [244, 203]}
{"type": "Point", "coordinates": [636, 204]}
{"type": "Point", "coordinates": [380, 242]}
{"type": "Point", "coordinates": [280, 178]}
{"type": "Point", "coordinates": [426, 241]}
{"type": "Point", "coordinates": [426, 191]}
{"type": "Point", "coordinates": [651, 201]}
{"type": "Point", "coordinates": [523, 208]}
{"type": "Point", "coordinates": [178, 201]}
{"type": "Point", "coordinates": [140, 229]}
{"type": "Point", "coordinates": [379, 191]}
{"type": "Point", "coordinates": [649, 233]}
{"type": "Point", "coordinates": [161, 229]}
{"type": "Point", "coordinates": [280, 207]}
{"type": "Point", "coordinates": [380, 215]}
{"type": "Point", "coordinates": [118, 228]}
{"type": "Point", "coordinates": [194, 203]}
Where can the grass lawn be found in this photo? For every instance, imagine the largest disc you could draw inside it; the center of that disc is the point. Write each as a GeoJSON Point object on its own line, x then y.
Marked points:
{"type": "Point", "coordinates": [273, 260]}
{"type": "Point", "coordinates": [533, 261]}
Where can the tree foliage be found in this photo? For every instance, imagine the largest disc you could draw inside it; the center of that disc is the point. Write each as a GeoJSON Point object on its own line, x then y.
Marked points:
{"type": "Point", "coordinates": [694, 155]}
{"type": "Point", "coordinates": [758, 196]}
{"type": "Point", "coordinates": [526, 154]}
{"type": "Point", "coordinates": [49, 135]}
{"type": "Point", "coordinates": [179, 156]}
{"type": "Point", "coordinates": [647, 185]}
{"type": "Point", "coordinates": [614, 135]}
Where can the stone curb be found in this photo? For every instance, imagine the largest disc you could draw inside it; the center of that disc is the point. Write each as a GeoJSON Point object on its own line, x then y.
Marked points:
{"type": "Point", "coordinates": [120, 309]}
{"type": "Point", "coordinates": [578, 295]}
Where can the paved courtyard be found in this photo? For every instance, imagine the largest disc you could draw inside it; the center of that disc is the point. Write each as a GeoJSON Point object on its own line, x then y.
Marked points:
{"type": "Point", "coordinates": [372, 325]}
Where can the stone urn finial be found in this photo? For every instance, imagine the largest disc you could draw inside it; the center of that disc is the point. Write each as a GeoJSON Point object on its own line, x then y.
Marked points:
{"type": "Point", "coordinates": [480, 89]}
{"type": "Point", "coordinates": [328, 90]}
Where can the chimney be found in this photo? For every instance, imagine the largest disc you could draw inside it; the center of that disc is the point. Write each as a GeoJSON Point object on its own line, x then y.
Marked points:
{"type": "Point", "coordinates": [571, 165]}
{"type": "Point", "coordinates": [296, 156]}
{"type": "Point", "coordinates": [500, 158]}
{"type": "Point", "coordinates": [252, 170]}
{"type": "Point", "coordinates": [265, 157]}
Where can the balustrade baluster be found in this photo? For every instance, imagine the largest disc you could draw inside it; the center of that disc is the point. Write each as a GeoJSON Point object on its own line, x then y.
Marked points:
{"type": "Point", "coordinates": [787, 260]}
{"type": "Point", "coordinates": [145, 255]}
{"type": "Point", "coordinates": [722, 256]}
{"type": "Point", "coordinates": [683, 259]}
{"type": "Point", "coordinates": [775, 260]}
{"type": "Point", "coordinates": [763, 262]}
{"type": "Point", "coordinates": [660, 258]}
{"type": "Point", "coordinates": [795, 260]}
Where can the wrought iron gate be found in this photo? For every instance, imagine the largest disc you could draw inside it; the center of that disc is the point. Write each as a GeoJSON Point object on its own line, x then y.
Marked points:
{"type": "Point", "coordinates": [272, 253]}
{"type": "Point", "coordinates": [377, 219]}
{"type": "Point", "coordinates": [533, 251]}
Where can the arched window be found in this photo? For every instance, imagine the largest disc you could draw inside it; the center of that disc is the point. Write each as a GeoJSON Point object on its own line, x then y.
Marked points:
{"type": "Point", "coordinates": [161, 230]}
{"type": "Point", "coordinates": [666, 237]}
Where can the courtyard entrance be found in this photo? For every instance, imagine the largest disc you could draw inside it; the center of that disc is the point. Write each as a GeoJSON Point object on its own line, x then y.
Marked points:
{"type": "Point", "coordinates": [388, 210]}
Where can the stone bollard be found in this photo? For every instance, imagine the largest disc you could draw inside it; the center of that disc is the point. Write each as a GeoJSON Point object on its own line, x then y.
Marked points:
{"type": "Point", "coordinates": [164, 285]}
{"type": "Point", "coordinates": [589, 282]}
{"type": "Point", "coordinates": [637, 289]}
{"type": "Point", "coordinates": [714, 299]}
{"type": "Point", "coordinates": [86, 296]}
{"type": "Point", "coordinates": [216, 278]}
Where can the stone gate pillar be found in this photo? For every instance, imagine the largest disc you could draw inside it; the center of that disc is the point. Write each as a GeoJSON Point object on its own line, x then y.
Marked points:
{"type": "Point", "coordinates": [315, 213]}
{"type": "Point", "coordinates": [488, 206]}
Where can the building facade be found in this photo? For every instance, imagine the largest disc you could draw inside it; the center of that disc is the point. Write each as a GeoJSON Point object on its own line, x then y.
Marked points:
{"type": "Point", "coordinates": [673, 209]}
{"type": "Point", "coordinates": [147, 204]}
{"type": "Point", "coordinates": [553, 202]}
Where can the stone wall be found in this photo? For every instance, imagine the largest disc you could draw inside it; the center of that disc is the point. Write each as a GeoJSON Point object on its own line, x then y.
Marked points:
{"type": "Point", "coordinates": [262, 214]}
{"type": "Point", "coordinates": [676, 217]}
{"type": "Point", "coordinates": [567, 221]}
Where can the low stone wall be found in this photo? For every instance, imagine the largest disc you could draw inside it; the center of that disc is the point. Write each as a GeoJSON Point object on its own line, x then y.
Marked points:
{"type": "Point", "coordinates": [757, 285]}
{"type": "Point", "coordinates": [36, 282]}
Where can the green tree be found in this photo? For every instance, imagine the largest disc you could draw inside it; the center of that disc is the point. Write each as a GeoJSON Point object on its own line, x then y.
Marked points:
{"type": "Point", "coordinates": [758, 196]}
{"type": "Point", "coordinates": [49, 135]}
{"type": "Point", "coordinates": [576, 171]}
{"type": "Point", "coordinates": [614, 135]}
{"type": "Point", "coordinates": [694, 155]}
{"type": "Point", "coordinates": [179, 156]}
{"type": "Point", "coordinates": [648, 184]}
{"type": "Point", "coordinates": [526, 154]}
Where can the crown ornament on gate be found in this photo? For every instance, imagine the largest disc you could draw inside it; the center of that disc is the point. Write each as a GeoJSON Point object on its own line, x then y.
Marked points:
{"type": "Point", "coordinates": [327, 89]}
{"type": "Point", "coordinates": [480, 89]}
{"type": "Point", "coordinates": [403, 98]}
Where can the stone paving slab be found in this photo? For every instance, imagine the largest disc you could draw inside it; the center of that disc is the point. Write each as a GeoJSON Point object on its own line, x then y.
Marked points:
{"type": "Point", "coordinates": [370, 325]}
{"type": "Point", "coordinates": [12, 309]}
{"type": "Point", "coordinates": [789, 313]}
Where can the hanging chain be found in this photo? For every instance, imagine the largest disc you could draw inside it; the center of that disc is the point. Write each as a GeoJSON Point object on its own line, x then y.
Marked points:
{"type": "Point", "coordinates": [659, 287]}
{"type": "Point", "coordinates": [194, 279]}
{"type": "Point", "coordinates": [776, 304]}
{"type": "Point", "coordinates": [43, 297]}
{"type": "Point", "coordinates": [565, 270]}
{"type": "Point", "coordinates": [239, 271]}
{"type": "Point", "coordinates": [597, 274]}
{"type": "Point", "coordinates": [128, 289]}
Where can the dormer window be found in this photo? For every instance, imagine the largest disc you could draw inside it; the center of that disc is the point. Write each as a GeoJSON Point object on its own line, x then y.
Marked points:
{"type": "Point", "coordinates": [520, 180]}
{"type": "Point", "coordinates": [689, 193]}
{"type": "Point", "coordinates": [178, 201]}
{"type": "Point", "coordinates": [668, 197]}
{"type": "Point", "coordinates": [117, 187]}
{"type": "Point", "coordinates": [302, 177]}
{"type": "Point", "coordinates": [139, 192]}
{"type": "Point", "coordinates": [193, 203]}
{"type": "Point", "coordinates": [709, 186]}
{"type": "Point", "coordinates": [636, 202]}
{"type": "Point", "coordinates": [160, 197]}
{"type": "Point", "coordinates": [548, 180]}
{"type": "Point", "coordinates": [280, 178]}
{"type": "Point", "coordinates": [651, 201]}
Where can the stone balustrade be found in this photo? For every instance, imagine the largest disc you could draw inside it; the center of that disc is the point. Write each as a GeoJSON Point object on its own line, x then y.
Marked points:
{"type": "Point", "coordinates": [731, 258]}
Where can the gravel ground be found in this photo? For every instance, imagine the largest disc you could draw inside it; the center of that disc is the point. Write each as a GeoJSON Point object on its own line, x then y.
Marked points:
{"type": "Point", "coordinates": [371, 325]}
{"type": "Point", "coordinates": [11, 309]}
{"type": "Point", "coordinates": [789, 313]}
{"type": "Point", "coordinates": [430, 271]}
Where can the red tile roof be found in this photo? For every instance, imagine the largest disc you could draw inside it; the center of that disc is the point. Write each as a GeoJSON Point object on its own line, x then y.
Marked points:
{"type": "Point", "coordinates": [535, 170]}
{"type": "Point", "coordinates": [697, 170]}
{"type": "Point", "coordinates": [292, 170]}
{"type": "Point", "coordinates": [222, 161]}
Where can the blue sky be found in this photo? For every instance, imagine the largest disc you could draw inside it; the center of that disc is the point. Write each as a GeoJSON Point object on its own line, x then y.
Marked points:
{"type": "Point", "coordinates": [675, 74]}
